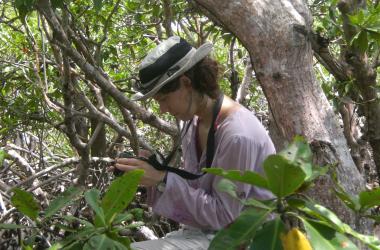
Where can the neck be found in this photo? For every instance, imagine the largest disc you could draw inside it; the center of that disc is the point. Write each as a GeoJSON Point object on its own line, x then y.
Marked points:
{"type": "Point", "coordinates": [205, 109]}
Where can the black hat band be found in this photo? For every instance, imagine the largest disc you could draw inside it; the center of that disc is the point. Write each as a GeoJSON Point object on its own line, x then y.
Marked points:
{"type": "Point", "coordinates": [164, 63]}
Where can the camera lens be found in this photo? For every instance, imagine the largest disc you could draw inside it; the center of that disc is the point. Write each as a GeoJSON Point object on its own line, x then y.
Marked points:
{"type": "Point", "coordinates": [126, 154]}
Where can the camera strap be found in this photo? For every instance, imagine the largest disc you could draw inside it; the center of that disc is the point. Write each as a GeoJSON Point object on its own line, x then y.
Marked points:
{"type": "Point", "coordinates": [210, 151]}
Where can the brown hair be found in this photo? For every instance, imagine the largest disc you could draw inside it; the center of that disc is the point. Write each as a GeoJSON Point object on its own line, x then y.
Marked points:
{"type": "Point", "coordinates": [204, 78]}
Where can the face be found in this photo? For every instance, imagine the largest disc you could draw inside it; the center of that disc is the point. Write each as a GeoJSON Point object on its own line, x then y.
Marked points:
{"type": "Point", "coordinates": [178, 103]}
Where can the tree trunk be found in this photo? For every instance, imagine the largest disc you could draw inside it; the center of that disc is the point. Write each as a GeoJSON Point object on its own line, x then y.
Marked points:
{"type": "Point", "coordinates": [275, 33]}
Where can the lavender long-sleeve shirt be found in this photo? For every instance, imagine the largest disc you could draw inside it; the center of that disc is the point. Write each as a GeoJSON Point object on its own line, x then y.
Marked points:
{"type": "Point", "coordinates": [242, 143]}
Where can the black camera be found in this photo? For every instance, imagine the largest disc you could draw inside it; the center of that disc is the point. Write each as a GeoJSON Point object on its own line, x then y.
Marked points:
{"type": "Point", "coordinates": [126, 154]}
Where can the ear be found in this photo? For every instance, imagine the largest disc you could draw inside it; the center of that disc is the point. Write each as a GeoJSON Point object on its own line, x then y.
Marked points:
{"type": "Point", "coordinates": [186, 82]}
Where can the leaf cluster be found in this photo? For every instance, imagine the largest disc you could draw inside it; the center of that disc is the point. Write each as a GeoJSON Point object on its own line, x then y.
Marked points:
{"type": "Point", "coordinates": [287, 175]}
{"type": "Point", "coordinates": [100, 232]}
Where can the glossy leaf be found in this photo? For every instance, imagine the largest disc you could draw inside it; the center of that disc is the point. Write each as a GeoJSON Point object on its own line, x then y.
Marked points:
{"type": "Point", "coordinates": [25, 203]}
{"type": "Point", "coordinates": [100, 242]}
{"type": "Point", "coordinates": [299, 153]}
{"type": "Point", "coordinates": [93, 199]}
{"type": "Point", "coordinates": [268, 237]}
{"type": "Point", "coordinates": [369, 199]}
{"type": "Point", "coordinates": [351, 201]}
{"type": "Point", "coordinates": [371, 241]}
{"type": "Point", "coordinates": [327, 216]}
{"type": "Point", "coordinates": [322, 237]}
{"type": "Point", "coordinates": [123, 217]}
{"type": "Point", "coordinates": [116, 237]}
{"type": "Point", "coordinates": [240, 231]}
{"type": "Point", "coordinates": [283, 177]}
{"type": "Point", "coordinates": [322, 213]}
{"type": "Point", "coordinates": [248, 177]}
{"type": "Point", "coordinates": [263, 204]}
{"type": "Point", "coordinates": [80, 235]}
{"type": "Point", "coordinates": [120, 194]}
{"type": "Point", "coordinates": [66, 198]}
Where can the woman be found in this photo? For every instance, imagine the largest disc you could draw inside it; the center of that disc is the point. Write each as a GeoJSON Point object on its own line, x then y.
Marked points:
{"type": "Point", "coordinates": [219, 133]}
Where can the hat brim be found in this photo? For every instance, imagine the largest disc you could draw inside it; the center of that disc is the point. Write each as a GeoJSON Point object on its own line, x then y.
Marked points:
{"type": "Point", "coordinates": [198, 55]}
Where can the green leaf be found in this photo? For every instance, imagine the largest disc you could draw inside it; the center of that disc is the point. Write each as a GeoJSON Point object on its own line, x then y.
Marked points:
{"type": "Point", "coordinates": [93, 199]}
{"type": "Point", "coordinates": [351, 201]}
{"type": "Point", "coordinates": [120, 194]}
{"type": "Point", "coordinates": [57, 3]}
{"type": "Point", "coordinates": [320, 212]}
{"type": "Point", "coordinates": [123, 240]}
{"type": "Point", "coordinates": [100, 242]}
{"type": "Point", "coordinates": [248, 177]}
{"type": "Point", "coordinates": [97, 5]}
{"type": "Point", "coordinates": [362, 41]}
{"type": "Point", "coordinates": [330, 219]}
{"type": "Point", "coordinates": [156, 10]}
{"type": "Point", "coordinates": [76, 245]}
{"type": "Point", "coordinates": [63, 200]}
{"type": "Point", "coordinates": [24, 6]}
{"type": "Point", "coordinates": [240, 231]}
{"type": "Point", "coordinates": [25, 203]}
{"type": "Point", "coordinates": [134, 225]}
{"type": "Point", "coordinates": [82, 234]}
{"type": "Point", "coordinates": [123, 217]}
{"type": "Point", "coordinates": [374, 36]}
{"type": "Point", "coordinates": [55, 246]}
{"type": "Point", "coordinates": [268, 237]}
{"type": "Point", "coordinates": [357, 19]}
{"type": "Point", "coordinates": [71, 219]}
{"type": "Point", "coordinates": [2, 156]}
{"type": "Point", "coordinates": [297, 150]}
{"type": "Point", "coordinates": [228, 187]}
{"type": "Point", "coordinates": [322, 237]}
{"type": "Point", "coordinates": [284, 178]}
{"type": "Point", "coordinates": [372, 241]}
{"type": "Point", "coordinates": [269, 204]}
{"type": "Point", "coordinates": [12, 226]}
{"type": "Point", "coordinates": [369, 199]}
{"type": "Point", "coordinates": [138, 213]}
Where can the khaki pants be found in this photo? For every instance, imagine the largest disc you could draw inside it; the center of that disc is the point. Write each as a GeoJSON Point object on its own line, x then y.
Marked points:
{"type": "Point", "coordinates": [183, 239]}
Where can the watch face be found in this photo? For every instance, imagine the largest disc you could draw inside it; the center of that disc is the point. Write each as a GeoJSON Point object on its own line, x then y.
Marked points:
{"type": "Point", "coordinates": [161, 187]}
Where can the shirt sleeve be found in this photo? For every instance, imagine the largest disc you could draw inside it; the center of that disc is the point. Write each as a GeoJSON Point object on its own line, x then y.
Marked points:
{"type": "Point", "coordinates": [204, 206]}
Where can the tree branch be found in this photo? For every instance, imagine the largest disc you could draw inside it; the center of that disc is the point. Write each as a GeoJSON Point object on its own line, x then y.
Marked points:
{"type": "Point", "coordinates": [98, 76]}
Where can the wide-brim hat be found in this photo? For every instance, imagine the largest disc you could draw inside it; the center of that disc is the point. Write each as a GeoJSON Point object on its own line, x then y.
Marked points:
{"type": "Point", "coordinates": [169, 60]}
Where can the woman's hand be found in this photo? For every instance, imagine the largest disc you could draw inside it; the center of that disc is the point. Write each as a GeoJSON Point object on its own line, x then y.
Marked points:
{"type": "Point", "coordinates": [151, 176]}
